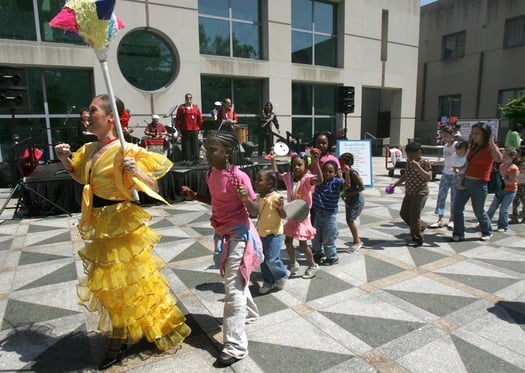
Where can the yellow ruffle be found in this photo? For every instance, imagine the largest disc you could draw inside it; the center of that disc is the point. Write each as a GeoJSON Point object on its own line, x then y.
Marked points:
{"type": "Point", "coordinates": [124, 283]}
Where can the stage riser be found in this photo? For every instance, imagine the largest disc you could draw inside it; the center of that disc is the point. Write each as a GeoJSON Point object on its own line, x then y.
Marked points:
{"type": "Point", "coordinates": [57, 185]}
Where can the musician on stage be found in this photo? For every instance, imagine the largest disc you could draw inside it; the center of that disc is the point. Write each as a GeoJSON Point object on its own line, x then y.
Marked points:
{"type": "Point", "coordinates": [188, 121]}
{"type": "Point", "coordinates": [155, 129]}
{"type": "Point", "coordinates": [83, 133]}
{"type": "Point", "coordinates": [267, 123]}
{"type": "Point", "coordinates": [227, 116]}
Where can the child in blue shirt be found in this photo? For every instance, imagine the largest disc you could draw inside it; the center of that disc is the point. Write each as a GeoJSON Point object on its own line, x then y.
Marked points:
{"type": "Point", "coordinates": [325, 206]}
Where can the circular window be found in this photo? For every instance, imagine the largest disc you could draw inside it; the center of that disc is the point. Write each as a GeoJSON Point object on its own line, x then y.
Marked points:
{"type": "Point", "coordinates": [147, 60]}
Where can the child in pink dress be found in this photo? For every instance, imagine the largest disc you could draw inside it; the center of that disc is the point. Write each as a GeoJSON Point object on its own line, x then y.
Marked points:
{"type": "Point", "coordinates": [300, 184]}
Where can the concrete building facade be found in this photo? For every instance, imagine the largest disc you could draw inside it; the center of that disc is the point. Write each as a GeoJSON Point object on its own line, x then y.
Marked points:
{"type": "Point", "coordinates": [251, 50]}
{"type": "Point", "coordinates": [471, 59]}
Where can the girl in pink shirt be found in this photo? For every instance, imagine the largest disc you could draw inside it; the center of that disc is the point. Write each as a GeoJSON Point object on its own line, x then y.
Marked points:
{"type": "Point", "coordinates": [238, 248]}
{"type": "Point", "coordinates": [300, 184]}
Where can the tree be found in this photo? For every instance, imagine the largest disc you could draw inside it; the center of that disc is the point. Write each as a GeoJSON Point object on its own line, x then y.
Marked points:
{"type": "Point", "coordinates": [514, 110]}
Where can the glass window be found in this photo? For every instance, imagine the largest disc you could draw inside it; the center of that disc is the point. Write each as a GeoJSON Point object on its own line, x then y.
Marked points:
{"type": "Point", "coordinates": [217, 8]}
{"type": "Point", "coordinates": [301, 47]}
{"type": "Point", "coordinates": [147, 60]}
{"type": "Point", "coordinates": [230, 28]}
{"type": "Point", "coordinates": [302, 14]}
{"type": "Point", "coordinates": [18, 21]}
{"type": "Point", "coordinates": [314, 32]}
{"type": "Point", "coordinates": [220, 31]}
{"type": "Point", "coordinates": [46, 12]}
{"type": "Point", "coordinates": [449, 106]}
{"type": "Point", "coordinates": [514, 32]}
{"type": "Point", "coordinates": [246, 96]}
{"type": "Point", "coordinates": [312, 109]}
{"type": "Point", "coordinates": [454, 46]}
{"type": "Point", "coordinates": [55, 97]}
{"type": "Point", "coordinates": [245, 40]}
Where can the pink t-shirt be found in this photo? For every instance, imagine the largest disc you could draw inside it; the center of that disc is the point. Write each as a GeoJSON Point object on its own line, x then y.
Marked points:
{"type": "Point", "coordinates": [322, 160]}
{"type": "Point", "coordinates": [227, 209]}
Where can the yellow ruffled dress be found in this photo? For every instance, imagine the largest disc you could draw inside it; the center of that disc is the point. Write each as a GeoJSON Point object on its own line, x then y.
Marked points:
{"type": "Point", "coordinates": [123, 282]}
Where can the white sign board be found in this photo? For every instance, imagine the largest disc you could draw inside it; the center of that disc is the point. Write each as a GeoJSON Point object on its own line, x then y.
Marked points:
{"type": "Point", "coordinates": [466, 126]}
{"type": "Point", "coordinates": [362, 152]}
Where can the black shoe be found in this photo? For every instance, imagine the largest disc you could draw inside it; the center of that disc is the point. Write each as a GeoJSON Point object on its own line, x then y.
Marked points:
{"type": "Point", "coordinates": [112, 357]}
{"type": "Point", "coordinates": [319, 258]}
{"type": "Point", "coordinates": [329, 262]}
{"type": "Point", "coordinates": [415, 243]}
{"type": "Point", "coordinates": [225, 360]}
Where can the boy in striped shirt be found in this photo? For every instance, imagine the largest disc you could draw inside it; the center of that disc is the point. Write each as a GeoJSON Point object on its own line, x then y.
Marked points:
{"type": "Point", "coordinates": [325, 205]}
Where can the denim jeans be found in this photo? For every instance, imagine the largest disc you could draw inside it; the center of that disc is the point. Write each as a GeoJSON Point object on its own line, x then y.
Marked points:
{"type": "Point", "coordinates": [272, 268]}
{"type": "Point", "coordinates": [324, 241]}
{"type": "Point", "coordinates": [447, 182]}
{"type": "Point", "coordinates": [238, 303]}
{"type": "Point", "coordinates": [503, 199]}
{"type": "Point", "coordinates": [477, 191]}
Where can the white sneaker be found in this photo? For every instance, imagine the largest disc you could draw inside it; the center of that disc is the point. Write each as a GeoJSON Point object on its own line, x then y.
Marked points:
{"type": "Point", "coordinates": [293, 268]}
{"type": "Point", "coordinates": [486, 237]}
{"type": "Point", "coordinates": [310, 272]}
{"type": "Point", "coordinates": [450, 225]}
{"type": "Point", "coordinates": [265, 289]}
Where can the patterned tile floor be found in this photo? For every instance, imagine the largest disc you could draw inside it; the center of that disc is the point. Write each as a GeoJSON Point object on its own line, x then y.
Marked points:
{"type": "Point", "coordinates": [442, 307]}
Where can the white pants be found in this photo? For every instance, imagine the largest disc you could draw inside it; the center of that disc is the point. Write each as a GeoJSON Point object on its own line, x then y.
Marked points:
{"type": "Point", "coordinates": [238, 304]}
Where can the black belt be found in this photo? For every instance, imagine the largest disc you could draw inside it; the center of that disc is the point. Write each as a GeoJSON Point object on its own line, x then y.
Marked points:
{"type": "Point", "coordinates": [101, 202]}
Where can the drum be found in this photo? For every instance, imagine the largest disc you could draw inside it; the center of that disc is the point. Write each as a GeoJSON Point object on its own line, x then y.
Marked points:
{"type": "Point", "coordinates": [242, 134]}
{"type": "Point", "coordinates": [154, 145]}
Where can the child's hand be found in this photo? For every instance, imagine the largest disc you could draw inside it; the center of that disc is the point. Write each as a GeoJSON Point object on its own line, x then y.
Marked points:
{"type": "Point", "coordinates": [279, 204]}
{"type": "Point", "coordinates": [315, 154]}
{"type": "Point", "coordinates": [346, 168]}
{"type": "Point", "coordinates": [242, 192]}
{"type": "Point", "coordinates": [187, 193]}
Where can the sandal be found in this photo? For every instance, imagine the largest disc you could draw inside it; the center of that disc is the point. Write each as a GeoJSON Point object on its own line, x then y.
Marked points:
{"type": "Point", "coordinates": [113, 356]}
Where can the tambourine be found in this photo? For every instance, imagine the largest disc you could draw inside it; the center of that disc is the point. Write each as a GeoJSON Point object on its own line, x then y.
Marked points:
{"type": "Point", "coordinates": [281, 149]}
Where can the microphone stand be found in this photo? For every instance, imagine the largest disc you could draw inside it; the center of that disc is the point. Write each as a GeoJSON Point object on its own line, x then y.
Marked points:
{"type": "Point", "coordinates": [68, 114]}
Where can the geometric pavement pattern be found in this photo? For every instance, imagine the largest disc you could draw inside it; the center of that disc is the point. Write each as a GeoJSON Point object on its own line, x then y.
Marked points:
{"type": "Point", "coordinates": [444, 306]}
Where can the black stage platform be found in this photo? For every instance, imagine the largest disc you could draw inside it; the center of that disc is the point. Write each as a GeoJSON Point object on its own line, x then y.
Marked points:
{"type": "Point", "coordinates": [54, 183]}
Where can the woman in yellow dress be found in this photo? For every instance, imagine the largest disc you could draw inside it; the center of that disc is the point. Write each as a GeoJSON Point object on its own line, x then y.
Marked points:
{"type": "Point", "coordinates": [123, 282]}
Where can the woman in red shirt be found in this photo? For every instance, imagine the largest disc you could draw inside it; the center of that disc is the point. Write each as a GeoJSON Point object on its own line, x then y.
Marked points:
{"type": "Point", "coordinates": [483, 152]}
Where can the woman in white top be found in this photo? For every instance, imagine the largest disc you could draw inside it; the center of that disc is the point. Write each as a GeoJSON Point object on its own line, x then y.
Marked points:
{"type": "Point", "coordinates": [448, 178]}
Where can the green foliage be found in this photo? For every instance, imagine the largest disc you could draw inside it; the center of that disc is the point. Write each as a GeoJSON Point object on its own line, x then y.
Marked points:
{"type": "Point", "coordinates": [515, 110]}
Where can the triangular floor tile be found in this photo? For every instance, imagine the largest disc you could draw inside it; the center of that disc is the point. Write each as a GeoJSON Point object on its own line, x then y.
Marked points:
{"type": "Point", "coordinates": [462, 246]}
{"type": "Point", "coordinates": [377, 269]}
{"type": "Point", "coordinates": [29, 257]}
{"type": "Point", "coordinates": [63, 237]}
{"type": "Point", "coordinates": [35, 228]}
{"type": "Point", "coordinates": [18, 312]}
{"type": "Point", "coordinates": [6, 245]}
{"type": "Point", "coordinates": [196, 250]}
{"type": "Point", "coordinates": [438, 304]}
{"type": "Point", "coordinates": [194, 279]}
{"type": "Point", "coordinates": [373, 331]}
{"type": "Point", "coordinates": [266, 304]}
{"type": "Point", "coordinates": [162, 223]}
{"type": "Point", "coordinates": [72, 350]}
{"type": "Point", "coordinates": [204, 231]}
{"type": "Point", "coordinates": [514, 265]}
{"type": "Point", "coordinates": [64, 274]}
{"type": "Point", "coordinates": [325, 284]}
{"type": "Point", "coordinates": [478, 360]}
{"type": "Point", "coordinates": [279, 358]}
{"type": "Point", "coordinates": [488, 284]}
{"type": "Point", "coordinates": [421, 256]}
{"type": "Point", "coordinates": [204, 218]}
